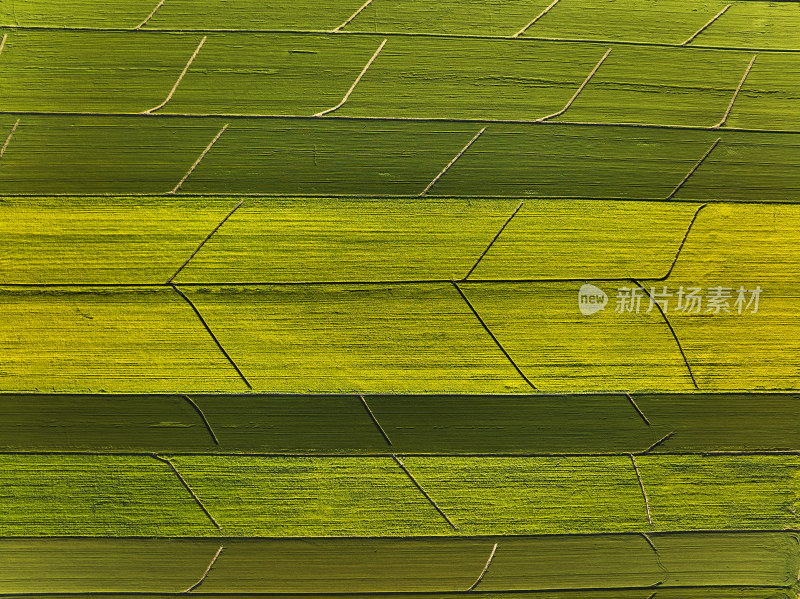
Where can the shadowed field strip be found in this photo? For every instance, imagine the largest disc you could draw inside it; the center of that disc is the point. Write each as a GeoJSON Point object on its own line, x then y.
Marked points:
{"type": "Point", "coordinates": [443, 424]}
{"type": "Point", "coordinates": [328, 156]}
{"type": "Point", "coordinates": [300, 496]}
{"type": "Point", "coordinates": [336, 567]}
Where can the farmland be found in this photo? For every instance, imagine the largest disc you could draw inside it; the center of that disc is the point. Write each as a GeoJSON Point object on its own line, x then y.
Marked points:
{"type": "Point", "coordinates": [400, 297]}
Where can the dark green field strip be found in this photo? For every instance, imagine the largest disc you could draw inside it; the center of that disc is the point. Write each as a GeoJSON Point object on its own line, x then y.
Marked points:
{"type": "Point", "coordinates": [303, 75]}
{"type": "Point", "coordinates": [733, 592]}
{"type": "Point", "coordinates": [302, 496]}
{"type": "Point", "coordinates": [538, 424]}
{"type": "Point", "coordinates": [76, 155]}
{"type": "Point", "coordinates": [336, 567]}
{"type": "Point", "coordinates": [777, 26]}
{"type": "Point", "coordinates": [101, 340]}
{"type": "Point", "coordinates": [49, 495]}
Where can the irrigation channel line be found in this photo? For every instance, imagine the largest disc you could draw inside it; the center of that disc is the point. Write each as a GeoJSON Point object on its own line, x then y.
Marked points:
{"type": "Point", "coordinates": [579, 90]}
{"type": "Point", "coordinates": [208, 569]}
{"type": "Point", "coordinates": [536, 18]}
{"type": "Point", "coordinates": [202, 243]}
{"type": "Point", "coordinates": [485, 569]}
{"type": "Point", "coordinates": [641, 486]}
{"type": "Point", "coordinates": [355, 83]}
{"type": "Point", "coordinates": [669, 436]}
{"type": "Point", "coordinates": [187, 487]}
{"type": "Point", "coordinates": [486, 328]}
{"type": "Point", "coordinates": [491, 243]}
{"type": "Point", "coordinates": [452, 162]}
{"type": "Point", "coordinates": [150, 16]}
{"type": "Point", "coordinates": [657, 555]}
{"type": "Point", "coordinates": [8, 139]}
{"type": "Point", "coordinates": [374, 419]}
{"type": "Point", "coordinates": [671, 330]}
{"type": "Point", "coordinates": [706, 26]}
{"type": "Point", "coordinates": [638, 411]}
{"type": "Point", "coordinates": [353, 16]}
{"type": "Point", "coordinates": [203, 417]}
{"type": "Point", "coordinates": [213, 336]}
{"type": "Point", "coordinates": [180, 78]}
{"type": "Point", "coordinates": [680, 247]}
{"type": "Point", "coordinates": [199, 158]}
{"type": "Point", "coordinates": [736, 93]}
{"type": "Point", "coordinates": [491, 121]}
{"type": "Point", "coordinates": [423, 491]}
{"type": "Point", "coordinates": [693, 169]}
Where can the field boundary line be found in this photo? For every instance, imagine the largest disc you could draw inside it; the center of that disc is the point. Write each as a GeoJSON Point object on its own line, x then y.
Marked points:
{"type": "Point", "coordinates": [353, 16]}
{"type": "Point", "coordinates": [207, 571]}
{"type": "Point", "coordinates": [638, 411]}
{"type": "Point", "coordinates": [374, 419]}
{"type": "Point", "coordinates": [693, 169]}
{"type": "Point", "coordinates": [641, 487]}
{"type": "Point", "coordinates": [356, 82]}
{"type": "Point", "coordinates": [488, 330]}
{"type": "Point", "coordinates": [680, 247]}
{"type": "Point", "coordinates": [150, 16]}
{"type": "Point", "coordinates": [452, 162]}
{"type": "Point", "coordinates": [669, 436]}
{"type": "Point", "coordinates": [491, 243]}
{"type": "Point", "coordinates": [706, 26]}
{"type": "Point", "coordinates": [736, 93]}
{"type": "Point", "coordinates": [202, 243]}
{"type": "Point", "coordinates": [213, 336]}
{"type": "Point", "coordinates": [536, 18]}
{"type": "Point", "coordinates": [8, 139]}
{"type": "Point", "coordinates": [180, 78]}
{"type": "Point", "coordinates": [399, 462]}
{"type": "Point", "coordinates": [671, 330]}
{"type": "Point", "coordinates": [203, 418]}
{"type": "Point", "coordinates": [579, 90]}
{"type": "Point", "coordinates": [485, 569]}
{"type": "Point", "coordinates": [659, 563]}
{"type": "Point", "coordinates": [187, 487]}
{"type": "Point", "coordinates": [3, 42]}
{"type": "Point", "coordinates": [199, 158]}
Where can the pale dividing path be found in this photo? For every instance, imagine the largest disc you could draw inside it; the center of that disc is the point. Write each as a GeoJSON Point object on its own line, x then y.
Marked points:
{"type": "Point", "coordinates": [706, 26]}
{"type": "Point", "coordinates": [485, 569]}
{"type": "Point", "coordinates": [452, 162]}
{"type": "Point", "coordinates": [196, 162]}
{"type": "Point", "coordinates": [8, 139]}
{"type": "Point", "coordinates": [355, 83]}
{"type": "Point", "coordinates": [150, 16]}
{"type": "Point", "coordinates": [579, 90]}
{"type": "Point", "coordinates": [207, 571]}
{"type": "Point", "coordinates": [736, 93]}
{"type": "Point", "coordinates": [353, 16]}
{"type": "Point", "coordinates": [693, 169]}
{"type": "Point", "coordinates": [180, 78]}
{"type": "Point", "coordinates": [3, 42]}
{"type": "Point", "coordinates": [536, 18]}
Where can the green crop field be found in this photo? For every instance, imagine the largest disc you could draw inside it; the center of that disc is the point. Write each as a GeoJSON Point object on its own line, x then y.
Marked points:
{"type": "Point", "coordinates": [362, 298]}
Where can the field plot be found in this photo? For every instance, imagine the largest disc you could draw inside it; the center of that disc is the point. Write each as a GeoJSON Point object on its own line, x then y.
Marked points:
{"type": "Point", "coordinates": [398, 339]}
{"type": "Point", "coordinates": [63, 495]}
{"type": "Point", "coordinates": [666, 86]}
{"type": "Point", "coordinates": [452, 17]}
{"type": "Point", "coordinates": [69, 71]}
{"type": "Point", "coordinates": [364, 565]}
{"type": "Point", "coordinates": [665, 21]}
{"type": "Point", "coordinates": [489, 79]}
{"type": "Point", "coordinates": [108, 340]}
{"type": "Point", "coordinates": [434, 424]}
{"type": "Point", "coordinates": [314, 15]}
{"type": "Point", "coordinates": [80, 154]}
{"type": "Point", "coordinates": [770, 95]}
{"type": "Point", "coordinates": [119, 240]}
{"type": "Point", "coordinates": [73, 13]}
{"type": "Point", "coordinates": [770, 25]}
